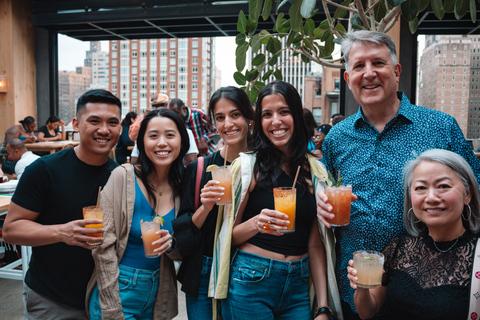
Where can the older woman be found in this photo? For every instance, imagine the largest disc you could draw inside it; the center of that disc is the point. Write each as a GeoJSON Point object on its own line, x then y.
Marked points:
{"type": "Point", "coordinates": [428, 271]}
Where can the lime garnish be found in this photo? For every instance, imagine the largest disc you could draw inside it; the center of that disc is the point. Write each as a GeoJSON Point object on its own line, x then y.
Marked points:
{"type": "Point", "coordinates": [159, 220]}
{"type": "Point", "coordinates": [339, 182]}
{"type": "Point", "coordinates": [367, 258]}
{"type": "Point", "coordinates": [211, 167]}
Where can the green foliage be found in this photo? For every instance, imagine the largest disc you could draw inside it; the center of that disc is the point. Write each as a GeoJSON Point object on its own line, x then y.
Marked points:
{"type": "Point", "coordinates": [310, 41]}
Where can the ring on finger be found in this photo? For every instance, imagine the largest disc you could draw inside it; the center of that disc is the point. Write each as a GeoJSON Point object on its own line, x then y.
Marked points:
{"type": "Point", "coordinates": [266, 226]}
{"type": "Point", "coordinates": [269, 221]}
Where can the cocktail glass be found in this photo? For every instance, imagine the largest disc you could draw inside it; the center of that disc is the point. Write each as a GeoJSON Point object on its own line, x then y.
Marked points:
{"type": "Point", "coordinates": [94, 212]}
{"type": "Point", "coordinates": [341, 199]}
{"type": "Point", "coordinates": [285, 199]}
{"type": "Point", "coordinates": [149, 230]}
{"type": "Point", "coordinates": [223, 175]}
{"type": "Point", "coordinates": [369, 266]}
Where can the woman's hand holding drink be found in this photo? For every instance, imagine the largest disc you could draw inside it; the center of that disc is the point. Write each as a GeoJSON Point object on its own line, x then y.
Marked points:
{"type": "Point", "coordinates": [155, 240]}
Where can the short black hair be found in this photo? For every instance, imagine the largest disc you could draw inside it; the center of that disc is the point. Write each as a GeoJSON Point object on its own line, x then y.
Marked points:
{"type": "Point", "coordinates": [97, 95]}
{"type": "Point", "coordinates": [53, 119]}
{"type": "Point", "coordinates": [177, 102]}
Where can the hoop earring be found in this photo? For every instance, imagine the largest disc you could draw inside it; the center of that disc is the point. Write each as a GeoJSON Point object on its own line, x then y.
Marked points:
{"type": "Point", "coordinates": [470, 215]}
{"type": "Point", "coordinates": [411, 209]}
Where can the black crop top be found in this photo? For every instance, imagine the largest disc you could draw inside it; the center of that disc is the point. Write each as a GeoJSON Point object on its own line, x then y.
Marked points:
{"type": "Point", "coordinates": [295, 243]}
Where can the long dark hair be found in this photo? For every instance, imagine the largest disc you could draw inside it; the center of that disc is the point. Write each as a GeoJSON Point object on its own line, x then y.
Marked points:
{"type": "Point", "coordinates": [145, 169]}
{"type": "Point", "coordinates": [235, 95]}
{"type": "Point", "coordinates": [269, 159]}
{"type": "Point", "coordinates": [127, 121]}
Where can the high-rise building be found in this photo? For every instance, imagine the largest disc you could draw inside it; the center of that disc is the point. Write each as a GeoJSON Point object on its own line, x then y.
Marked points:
{"type": "Point", "coordinates": [95, 46]}
{"type": "Point", "coordinates": [448, 79]}
{"type": "Point", "coordinates": [71, 85]}
{"type": "Point", "coordinates": [100, 73]}
{"type": "Point", "coordinates": [179, 68]}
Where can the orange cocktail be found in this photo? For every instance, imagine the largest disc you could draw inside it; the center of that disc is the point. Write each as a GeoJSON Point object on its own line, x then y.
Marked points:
{"type": "Point", "coordinates": [369, 266]}
{"type": "Point", "coordinates": [341, 199]}
{"type": "Point", "coordinates": [286, 202]}
{"type": "Point", "coordinates": [94, 212]}
{"type": "Point", "coordinates": [222, 175]}
{"type": "Point", "coordinates": [149, 229]}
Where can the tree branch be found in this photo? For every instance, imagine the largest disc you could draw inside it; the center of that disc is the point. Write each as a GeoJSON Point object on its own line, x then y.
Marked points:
{"type": "Point", "coordinates": [329, 19]}
{"type": "Point", "coordinates": [393, 14]}
{"type": "Point", "coordinates": [337, 5]}
{"type": "Point", "coordinates": [361, 13]}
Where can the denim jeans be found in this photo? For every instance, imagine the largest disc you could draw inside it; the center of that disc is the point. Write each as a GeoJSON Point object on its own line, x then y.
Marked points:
{"type": "Point", "coordinates": [138, 290]}
{"type": "Point", "coordinates": [261, 288]}
{"type": "Point", "coordinates": [200, 308]}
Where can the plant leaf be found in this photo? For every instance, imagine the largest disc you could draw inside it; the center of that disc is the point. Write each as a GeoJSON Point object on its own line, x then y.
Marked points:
{"type": "Point", "coordinates": [413, 25]}
{"type": "Point", "coordinates": [239, 78]}
{"type": "Point", "coordinates": [340, 12]}
{"type": "Point", "coordinates": [254, 9]}
{"type": "Point", "coordinates": [240, 39]}
{"type": "Point", "coordinates": [356, 21]}
{"type": "Point", "coordinates": [291, 36]}
{"type": "Point", "coordinates": [267, 75]}
{"type": "Point", "coordinates": [307, 8]}
{"type": "Point", "coordinates": [423, 5]}
{"type": "Point", "coordinates": [253, 94]}
{"type": "Point", "coordinates": [242, 22]}
{"type": "Point", "coordinates": [255, 43]}
{"type": "Point", "coordinates": [273, 60]}
{"type": "Point", "coordinates": [461, 8]}
{"type": "Point", "coordinates": [278, 74]}
{"type": "Point", "coordinates": [278, 23]}
{"type": "Point", "coordinates": [437, 7]}
{"type": "Point", "coordinates": [473, 11]}
{"type": "Point", "coordinates": [240, 57]}
{"type": "Point", "coordinates": [251, 26]}
{"type": "Point", "coordinates": [449, 6]}
{"type": "Point", "coordinates": [258, 60]}
{"type": "Point", "coordinates": [267, 8]}
{"type": "Point", "coordinates": [410, 9]}
{"type": "Point", "coordinates": [252, 75]}
{"type": "Point", "coordinates": [295, 16]}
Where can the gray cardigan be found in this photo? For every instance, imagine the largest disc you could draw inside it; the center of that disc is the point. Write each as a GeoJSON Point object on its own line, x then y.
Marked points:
{"type": "Point", "coordinates": [118, 199]}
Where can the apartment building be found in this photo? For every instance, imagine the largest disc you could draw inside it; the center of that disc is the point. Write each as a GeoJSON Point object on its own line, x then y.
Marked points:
{"type": "Point", "coordinates": [179, 68]}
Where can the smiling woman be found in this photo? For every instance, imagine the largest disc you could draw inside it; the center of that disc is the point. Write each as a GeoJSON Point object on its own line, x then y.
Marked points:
{"type": "Point", "coordinates": [442, 217]}
{"type": "Point", "coordinates": [143, 191]}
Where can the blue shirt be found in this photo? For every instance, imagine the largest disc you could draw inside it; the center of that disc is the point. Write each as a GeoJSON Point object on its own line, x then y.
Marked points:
{"type": "Point", "coordinates": [134, 255]}
{"type": "Point", "coordinates": [372, 163]}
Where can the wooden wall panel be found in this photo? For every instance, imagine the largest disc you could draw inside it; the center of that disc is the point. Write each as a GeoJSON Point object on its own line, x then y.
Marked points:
{"type": "Point", "coordinates": [17, 62]}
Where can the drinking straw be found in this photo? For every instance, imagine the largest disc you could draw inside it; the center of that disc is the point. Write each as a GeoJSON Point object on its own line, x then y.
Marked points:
{"type": "Point", "coordinates": [338, 177]}
{"type": "Point", "coordinates": [296, 176]}
{"type": "Point", "coordinates": [98, 197]}
{"type": "Point", "coordinates": [226, 153]}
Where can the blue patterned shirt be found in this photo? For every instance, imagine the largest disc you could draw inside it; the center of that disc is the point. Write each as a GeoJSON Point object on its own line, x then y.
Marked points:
{"type": "Point", "coordinates": [372, 163]}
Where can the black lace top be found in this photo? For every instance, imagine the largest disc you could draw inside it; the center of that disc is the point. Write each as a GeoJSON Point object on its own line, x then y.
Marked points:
{"type": "Point", "coordinates": [424, 283]}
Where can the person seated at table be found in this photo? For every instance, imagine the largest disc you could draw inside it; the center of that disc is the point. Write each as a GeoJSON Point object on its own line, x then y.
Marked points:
{"type": "Point", "coordinates": [121, 150]}
{"type": "Point", "coordinates": [50, 132]}
{"type": "Point", "coordinates": [18, 154]}
{"type": "Point", "coordinates": [23, 131]}
{"type": "Point", "coordinates": [428, 271]}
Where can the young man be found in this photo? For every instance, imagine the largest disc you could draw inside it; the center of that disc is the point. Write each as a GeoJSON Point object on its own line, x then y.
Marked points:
{"type": "Point", "coordinates": [371, 147]}
{"type": "Point", "coordinates": [46, 211]}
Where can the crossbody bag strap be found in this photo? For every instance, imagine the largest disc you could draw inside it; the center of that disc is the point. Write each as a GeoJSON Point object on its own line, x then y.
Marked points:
{"type": "Point", "coordinates": [474, 309]}
{"type": "Point", "coordinates": [197, 182]}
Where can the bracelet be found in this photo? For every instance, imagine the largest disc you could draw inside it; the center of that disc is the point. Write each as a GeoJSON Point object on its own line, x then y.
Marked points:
{"type": "Point", "coordinates": [323, 309]}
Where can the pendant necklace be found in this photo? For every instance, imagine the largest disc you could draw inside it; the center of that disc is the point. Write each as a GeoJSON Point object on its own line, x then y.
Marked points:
{"type": "Point", "coordinates": [443, 251]}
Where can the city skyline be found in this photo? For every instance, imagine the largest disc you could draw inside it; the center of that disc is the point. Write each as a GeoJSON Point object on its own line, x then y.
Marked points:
{"type": "Point", "coordinates": [71, 54]}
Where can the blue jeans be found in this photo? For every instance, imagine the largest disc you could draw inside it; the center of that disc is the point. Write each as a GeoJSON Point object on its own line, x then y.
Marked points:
{"type": "Point", "coordinates": [138, 290]}
{"type": "Point", "coordinates": [264, 289]}
{"type": "Point", "coordinates": [200, 308]}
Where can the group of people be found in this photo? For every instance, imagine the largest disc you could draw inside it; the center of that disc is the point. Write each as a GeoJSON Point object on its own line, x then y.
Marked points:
{"type": "Point", "coordinates": [236, 259]}
{"type": "Point", "coordinates": [12, 148]}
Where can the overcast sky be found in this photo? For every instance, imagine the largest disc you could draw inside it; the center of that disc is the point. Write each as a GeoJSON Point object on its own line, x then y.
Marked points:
{"type": "Point", "coordinates": [71, 53]}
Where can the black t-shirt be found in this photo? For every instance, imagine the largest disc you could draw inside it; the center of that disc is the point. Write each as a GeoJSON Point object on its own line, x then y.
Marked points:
{"type": "Point", "coordinates": [47, 133]}
{"type": "Point", "coordinates": [295, 243]}
{"type": "Point", "coordinates": [58, 186]}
